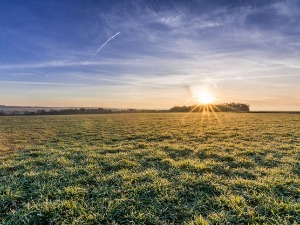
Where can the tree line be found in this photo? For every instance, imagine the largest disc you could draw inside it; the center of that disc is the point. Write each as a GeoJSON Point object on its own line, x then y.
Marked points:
{"type": "Point", "coordinates": [77, 111]}
{"type": "Point", "coordinates": [225, 107]}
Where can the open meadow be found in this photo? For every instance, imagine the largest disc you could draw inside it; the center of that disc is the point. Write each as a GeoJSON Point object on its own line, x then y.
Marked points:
{"type": "Point", "coordinates": [159, 168]}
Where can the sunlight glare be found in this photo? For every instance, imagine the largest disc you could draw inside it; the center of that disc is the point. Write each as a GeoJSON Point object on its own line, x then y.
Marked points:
{"type": "Point", "coordinates": [205, 97]}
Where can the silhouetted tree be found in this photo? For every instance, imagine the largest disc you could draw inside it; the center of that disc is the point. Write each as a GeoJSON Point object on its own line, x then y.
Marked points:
{"type": "Point", "coordinates": [225, 107]}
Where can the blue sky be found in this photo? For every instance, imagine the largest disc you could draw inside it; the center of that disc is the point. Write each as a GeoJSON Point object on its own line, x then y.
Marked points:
{"type": "Point", "coordinates": [163, 53]}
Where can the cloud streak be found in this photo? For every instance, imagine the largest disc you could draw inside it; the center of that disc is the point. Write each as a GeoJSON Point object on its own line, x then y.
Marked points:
{"type": "Point", "coordinates": [38, 83]}
{"type": "Point", "coordinates": [106, 42]}
{"type": "Point", "coordinates": [164, 46]}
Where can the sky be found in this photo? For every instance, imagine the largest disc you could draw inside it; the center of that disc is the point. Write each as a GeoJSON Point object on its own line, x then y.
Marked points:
{"type": "Point", "coordinates": [150, 53]}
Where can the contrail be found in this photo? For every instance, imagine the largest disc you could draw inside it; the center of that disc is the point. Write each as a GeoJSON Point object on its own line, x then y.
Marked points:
{"type": "Point", "coordinates": [106, 43]}
{"type": "Point", "coordinates": [102, 47]}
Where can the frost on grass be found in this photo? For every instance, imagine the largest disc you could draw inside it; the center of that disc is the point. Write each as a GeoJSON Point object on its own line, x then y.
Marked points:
{"type": "Point", "coordinates": [150, 169]}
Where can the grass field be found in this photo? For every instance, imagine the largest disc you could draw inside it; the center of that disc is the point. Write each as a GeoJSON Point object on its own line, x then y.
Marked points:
{"type": "Point", "coordinates": [150, 169]}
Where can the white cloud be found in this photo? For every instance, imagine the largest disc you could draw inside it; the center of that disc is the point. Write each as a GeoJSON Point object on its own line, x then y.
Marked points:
{"type": "Point", "coordinates": [288, 8]}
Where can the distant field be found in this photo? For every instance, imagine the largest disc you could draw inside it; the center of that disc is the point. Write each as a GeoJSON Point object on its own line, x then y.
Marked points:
{"type": "Point", "coordinates": [171, 168]}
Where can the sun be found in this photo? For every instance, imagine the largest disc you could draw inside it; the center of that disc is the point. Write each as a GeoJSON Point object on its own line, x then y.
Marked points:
{"type": "Point", "coordinates": [205, 97]}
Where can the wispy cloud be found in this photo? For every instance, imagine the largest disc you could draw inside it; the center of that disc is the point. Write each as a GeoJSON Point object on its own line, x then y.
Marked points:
{"type": "Point", "coordinates": [38, 83]}
{"type": "Point", "coordinates": [164, 46]}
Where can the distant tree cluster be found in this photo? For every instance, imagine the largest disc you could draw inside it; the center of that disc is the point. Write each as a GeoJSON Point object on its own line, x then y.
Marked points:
{"type": "Point", "coordinates": [77, 111]}
{"type": "Point", "coordinates": [232, 107]}
{"type": "Point", "coordinates": [70, 111]}
{"type": "Point", "coordinates": [225, 107]}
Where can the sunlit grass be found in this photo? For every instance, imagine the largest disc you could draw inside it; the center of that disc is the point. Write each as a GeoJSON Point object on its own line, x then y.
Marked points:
{"type": "Point", "coordinates": [150, 169]}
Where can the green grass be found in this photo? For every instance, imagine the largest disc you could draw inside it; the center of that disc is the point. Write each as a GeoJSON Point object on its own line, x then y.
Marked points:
{"type": "Point", "coordinates": [150, 169]}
